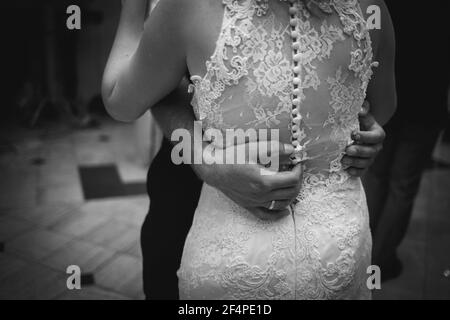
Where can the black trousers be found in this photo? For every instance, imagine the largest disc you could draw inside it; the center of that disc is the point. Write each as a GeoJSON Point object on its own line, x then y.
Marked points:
{"type": "Point", "coordinates": [392, 183]}
{"type": "Point", "coordinates": [174, 193]}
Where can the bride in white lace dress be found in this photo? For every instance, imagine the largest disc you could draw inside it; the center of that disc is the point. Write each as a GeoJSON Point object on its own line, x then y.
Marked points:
{"type": "Point", "coordinates": [271, 64]}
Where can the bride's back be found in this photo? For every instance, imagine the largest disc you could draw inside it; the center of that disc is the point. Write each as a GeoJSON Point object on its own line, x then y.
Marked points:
{"type": "Point", "coordinates": [269, 60]}
{"type": "Point", "coordinates": [263, 73]}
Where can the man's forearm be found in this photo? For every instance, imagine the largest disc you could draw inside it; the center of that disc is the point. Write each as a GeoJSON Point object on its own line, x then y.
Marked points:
{"type": "Point", "coordinates": [174, 112]}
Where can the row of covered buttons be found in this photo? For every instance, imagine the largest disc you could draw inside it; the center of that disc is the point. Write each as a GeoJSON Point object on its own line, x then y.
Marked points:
{"type": "Point", "coordinates": [296, 116]}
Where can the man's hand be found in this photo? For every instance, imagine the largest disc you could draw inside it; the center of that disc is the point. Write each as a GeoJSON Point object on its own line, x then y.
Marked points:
{"type": "Point", "coordinates": [368, 143]}
{"type": "Point", "coordinates": [245, 185]}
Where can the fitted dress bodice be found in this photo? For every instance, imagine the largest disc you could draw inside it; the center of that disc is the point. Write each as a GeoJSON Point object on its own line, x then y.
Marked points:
{"type": "Point", "coordinates": [274, 64]}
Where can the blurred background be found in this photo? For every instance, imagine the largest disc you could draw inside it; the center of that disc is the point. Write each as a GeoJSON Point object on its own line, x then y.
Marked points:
{"type": "Point", "coordinates": [73, 181]}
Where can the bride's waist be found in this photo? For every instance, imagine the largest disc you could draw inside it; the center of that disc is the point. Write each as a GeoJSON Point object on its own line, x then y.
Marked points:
{"type": "Point", "coordinates": [316, 187]}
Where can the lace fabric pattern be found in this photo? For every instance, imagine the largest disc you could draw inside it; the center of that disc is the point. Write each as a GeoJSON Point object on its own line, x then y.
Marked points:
{"type": "Point", "coordinates": [322, 250]}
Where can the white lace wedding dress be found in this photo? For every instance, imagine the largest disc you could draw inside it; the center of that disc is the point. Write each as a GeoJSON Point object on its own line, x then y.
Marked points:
{"type": "Point", "coordinates": [275, 66]}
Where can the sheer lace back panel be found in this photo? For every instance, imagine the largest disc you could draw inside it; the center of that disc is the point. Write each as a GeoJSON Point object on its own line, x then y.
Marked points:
{"type": "Point", "coordinates": [249, 80]}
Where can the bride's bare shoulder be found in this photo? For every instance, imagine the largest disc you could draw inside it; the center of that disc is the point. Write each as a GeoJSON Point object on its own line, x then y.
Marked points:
{"type": "Point", "coordinates": [186, 9]}
{"type": "Point", "coordinates": [187, 16]}
{"type": "Point", "coordinates": [171, 9]}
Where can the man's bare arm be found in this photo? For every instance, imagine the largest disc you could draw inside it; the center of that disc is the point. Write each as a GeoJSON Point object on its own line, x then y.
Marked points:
{"type": "Point", "coordinates": [368, 143]}
{"type": "Point", "coordinates": [243, 183]}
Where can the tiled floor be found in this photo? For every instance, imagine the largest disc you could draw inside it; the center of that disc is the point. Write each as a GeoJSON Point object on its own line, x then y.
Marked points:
{"type": "Point", "coordinates": [46, 223]}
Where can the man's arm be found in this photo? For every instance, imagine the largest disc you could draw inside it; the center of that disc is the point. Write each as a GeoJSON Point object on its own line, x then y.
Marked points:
{"type": "Point", "coordinates": [381, 94]}
{"type": "Point", "coordinates": [368, 143]}
{"type": "Point", "coordinates": [381, 91]}
{"type": "Point", "coordinates": [243, 183]}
